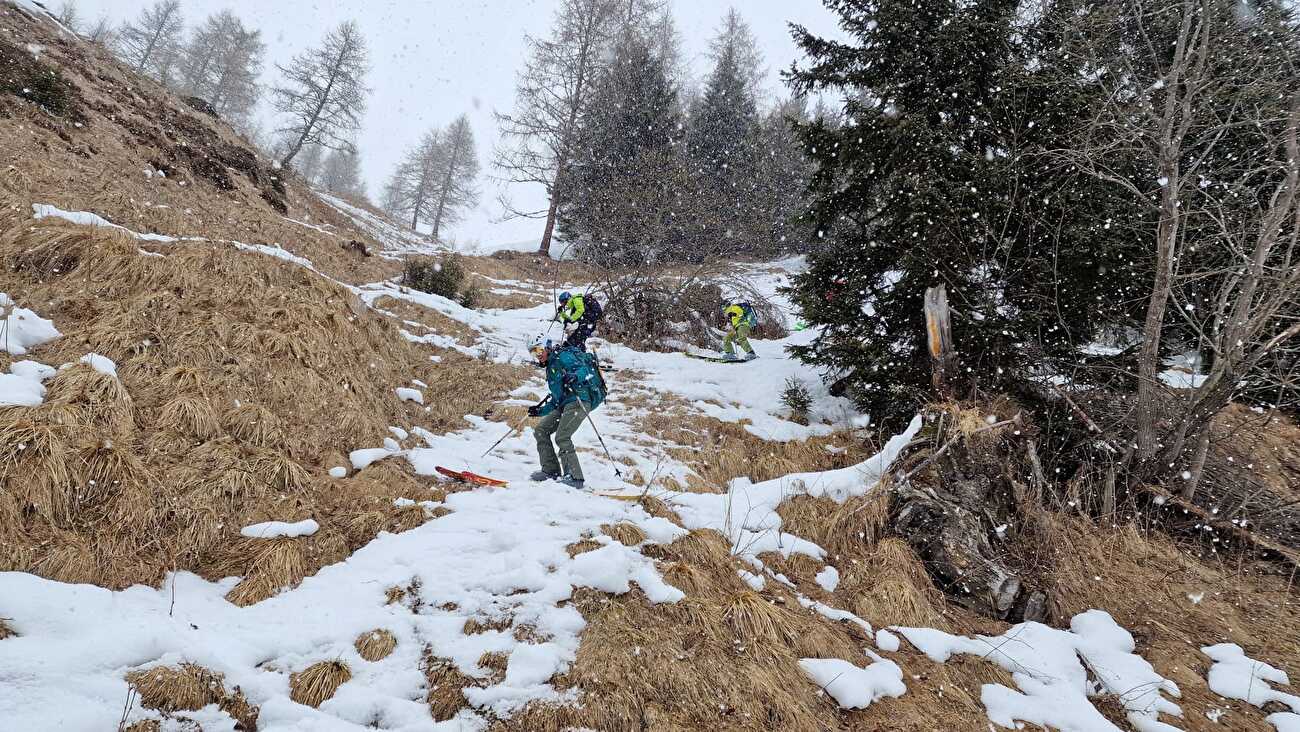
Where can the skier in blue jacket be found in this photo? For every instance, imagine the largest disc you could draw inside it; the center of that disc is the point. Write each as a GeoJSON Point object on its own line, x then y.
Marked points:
{"type": "Point", "coordinates": [576, 388]}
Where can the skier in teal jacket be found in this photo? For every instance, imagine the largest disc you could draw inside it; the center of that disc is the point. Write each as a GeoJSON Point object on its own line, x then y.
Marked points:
{"type": "Point", "coordinates": [576, 388]}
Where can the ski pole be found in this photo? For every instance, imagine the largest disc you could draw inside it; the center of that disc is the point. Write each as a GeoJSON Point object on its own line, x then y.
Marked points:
{"type": "Point", "coordinates": [591, 422]}
{"type": "Point", "coordinates": [498, 442]}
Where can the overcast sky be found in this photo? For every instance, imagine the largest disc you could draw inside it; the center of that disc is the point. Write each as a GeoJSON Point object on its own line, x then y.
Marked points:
{"type": "Point", "coordinates": [434, 59]}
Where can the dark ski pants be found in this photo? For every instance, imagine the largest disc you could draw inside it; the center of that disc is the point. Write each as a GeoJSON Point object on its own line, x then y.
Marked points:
{"type": "Point", "coordinates": [578, 338]}
{"type": "Point", "coordinates": [561, 424]}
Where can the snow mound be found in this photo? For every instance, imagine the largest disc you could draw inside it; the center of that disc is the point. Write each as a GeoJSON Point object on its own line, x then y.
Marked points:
{"type": "Point", "coordinates": [852, 687]}
{"type": "Point", "coordinates": [280, 529]}
{"type": "Point", "coordinates": [24, 385]}
{"type": "Point", "coordinates": [1235, 675]}
{"type": "Point", "coordinates": [102, 364]}
{"type": "Point", "coordinates": [21, 329]}
{"type": "Point", "coordinates": [1054, 686]}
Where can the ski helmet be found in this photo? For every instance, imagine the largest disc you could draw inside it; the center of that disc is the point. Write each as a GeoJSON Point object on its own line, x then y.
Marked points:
{"type": "Point", "coordinates": [539, 349]}
{"type": "Point", "coordinates": [565, 297]}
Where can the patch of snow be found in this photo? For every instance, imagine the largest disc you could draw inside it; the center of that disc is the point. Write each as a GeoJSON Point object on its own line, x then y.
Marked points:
{"type": "Point", "coordinates": [278, 529]}
{"type": "Point", "coordinates": [275, 250]}
{"type": "Point", "coordinates": [887, 641]}
{"type": "Point", "coordinates": [1284, 721]}
{"type": "Point", "coordinates": [399, 433]}
{"type": "Point", "coordinates": [746, 515]}
{"type": "Point", "coordinates": [1235, 675]}
{"type": "Point", "coordinates": [361, 459]}
{"type": "Point", "coordinates": [409, 395]}
{"type": "Point", "coordinates": [829, 578]}
{"type": "Point", "coordinates": [338, 471]}
{"type": "Point", "coordinates": [499, 553]}
{"type": "Point", "coordinates": [24, 385]}
{"type": "Point", "coordinates": [85, 218]}
{"type": "Point", "coordinates": [1053, 683]}
{"type": "Point", "coordinates": [835, 614]}
{"type": "Point", "coordinates": [852, 687]}
{"type": "Point", "coordinates": [102, 364]}
{"type": "Point", "coordinates": [21, 329]}
{"type": "Point", "coordinates": [755, 581]}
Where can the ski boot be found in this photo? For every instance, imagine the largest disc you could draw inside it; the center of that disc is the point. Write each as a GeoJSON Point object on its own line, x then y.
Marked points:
{"type": "Point", "coordinates": [541, 476]}
{"type": "Point", "coordinates": [572, 482]}
{"type": "Point", "coordinates": [750, 356]}
{"type": "Point", "coordinates": [730, 358]}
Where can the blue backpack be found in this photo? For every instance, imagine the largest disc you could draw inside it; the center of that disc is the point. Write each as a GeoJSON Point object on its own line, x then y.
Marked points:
{"type": "Point", "coordinates": [751, 317]}
{"type": "Point", "coordinates": [582, 376]}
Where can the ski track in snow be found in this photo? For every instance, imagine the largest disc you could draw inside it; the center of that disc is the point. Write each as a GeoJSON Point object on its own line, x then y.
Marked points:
{"type": "Point", "coordinates": [500, 555]}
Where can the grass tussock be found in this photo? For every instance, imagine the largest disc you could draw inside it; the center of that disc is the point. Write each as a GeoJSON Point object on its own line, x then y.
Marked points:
{"type": "Point", "coordinates": [240, 379]}
{"type": "Point", "coordinates": [5, 630]}
{"type": "Point", "coordinates": [582, 547]}
{"type": "Point", "coordinates": [187, 687]}
{"type": "Point", "coordinates": [445, 683]}
{"type": "Point", "coordinates": [276, 564]}
{"type": "Point", "coordinates": [849, 529]}
{"type": "Point", "coordinates": [317, 683]}
{"type": "Point", "coordinates": [375, 645]}
{"type": "Point", "coordinates": [891, 587]}
{"type": "Point", "coordinates": [625, 533]}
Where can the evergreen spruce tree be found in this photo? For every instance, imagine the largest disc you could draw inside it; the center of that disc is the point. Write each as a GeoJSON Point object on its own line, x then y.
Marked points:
{"type": "Point", "coordinates": [936, 176]}
{"type": "Point", "coordinates": [624, 194]}
{"type": "Point", "coordinates": [723, 137]}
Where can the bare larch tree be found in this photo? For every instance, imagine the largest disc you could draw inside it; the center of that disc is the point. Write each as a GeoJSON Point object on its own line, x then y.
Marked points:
{"type": "Point", "coordinates": [69, 16]}
{"type": "Point", "coordinates": [323, 94]}
{"type": "Point", "coordinates": [102, 32]}
{"type": "Point", "coordinates": [457, 190]}
{"type": "Point", "coordinates": [221, 63]}
{"type": "Point", "coordinates": [557, 80]}
{"type": "Point", "coordinates": [152, 42]}
{"type": "Point", "coordinates": [409, 192]}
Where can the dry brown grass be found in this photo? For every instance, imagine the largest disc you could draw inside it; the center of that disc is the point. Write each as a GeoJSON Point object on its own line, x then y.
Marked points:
{"type": "Point", "coordinates": [581, 547]}
{"type": "Point", "coordinates": [224, 408]}
{"type": "Point", "coordinates": [625, 533]}
{"type": "Point", "coordinates": [445, 683]}
{"type": "Point", "coordinates": [275, 564]}
{"type": "Point", "coordinates": [720, 451]}
{"type": "Point", "coordinates": [848, 529]}
{"type": "Point", "coordinates": [5, 630]}
{"type": "Point", "coordinates": [375, 645]}
{"type": "Point", "coordinates": [317, 683]}
{"type": "Point", "coordinates": [189, 687]}
{"type": "Point", "coordinates": [891, 587]}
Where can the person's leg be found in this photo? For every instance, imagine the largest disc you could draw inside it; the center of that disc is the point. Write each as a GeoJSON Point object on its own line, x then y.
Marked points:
{"type": "Point", "coordinates": [573, 417]}
{"type": "Point", "coordinates": [728, 343]}
{"type": "Point", "coordinates": [578, 338]}
{"type": "Point", "coordinates": [545, 450]}
{"type": "Point", "coordinates": [742, 338]}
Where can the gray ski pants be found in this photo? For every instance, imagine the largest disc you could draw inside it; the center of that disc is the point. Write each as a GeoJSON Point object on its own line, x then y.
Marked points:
{"type": "Point", "coordinates": [561, 424]}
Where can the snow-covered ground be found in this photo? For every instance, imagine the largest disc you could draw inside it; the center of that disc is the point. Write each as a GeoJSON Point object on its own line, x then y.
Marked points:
{"type": "Point", "coordinates": [499, 555]}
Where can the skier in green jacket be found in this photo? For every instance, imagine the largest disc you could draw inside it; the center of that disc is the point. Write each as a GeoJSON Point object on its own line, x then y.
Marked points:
{"type": "Point", "coordinates": [576, 388]}
{"type": "Point", "coordinates": [743, 319]}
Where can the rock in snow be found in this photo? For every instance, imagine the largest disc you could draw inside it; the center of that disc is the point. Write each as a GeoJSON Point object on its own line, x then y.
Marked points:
{"type": "Point", "coordinates": [278, 529]}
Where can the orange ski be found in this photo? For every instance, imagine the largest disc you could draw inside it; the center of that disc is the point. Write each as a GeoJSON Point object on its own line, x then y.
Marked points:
{"type": "Point", "coordinates": [465, 476]}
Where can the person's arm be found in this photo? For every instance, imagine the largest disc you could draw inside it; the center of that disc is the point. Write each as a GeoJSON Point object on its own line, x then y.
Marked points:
{"type": "Point", "coordinates": [576, 308]}
{"type": "Point", "coordinates": [555, 382]}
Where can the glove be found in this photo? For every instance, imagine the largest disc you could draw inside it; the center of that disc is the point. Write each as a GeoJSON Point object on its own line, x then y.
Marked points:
{"type": "Point", "coordinates": [535, 410]}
